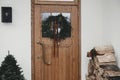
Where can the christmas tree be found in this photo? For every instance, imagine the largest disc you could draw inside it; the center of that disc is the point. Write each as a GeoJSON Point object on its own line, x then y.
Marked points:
{"type": "Point", "coordinates": [9, 69]}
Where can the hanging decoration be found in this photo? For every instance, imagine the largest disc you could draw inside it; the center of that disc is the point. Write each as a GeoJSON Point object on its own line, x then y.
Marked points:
{"type": "Point", "coordinates": [63, 27]}
{"type": "Point", "coordinates": [56, 28]}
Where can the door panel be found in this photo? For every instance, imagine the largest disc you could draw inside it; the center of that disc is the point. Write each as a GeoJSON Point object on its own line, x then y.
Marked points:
{"type": "Point", "coordinates": [63, 64]}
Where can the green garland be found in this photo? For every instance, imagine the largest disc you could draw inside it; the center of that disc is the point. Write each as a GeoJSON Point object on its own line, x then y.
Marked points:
{"type": "Point", "coordinates": [64, 25]}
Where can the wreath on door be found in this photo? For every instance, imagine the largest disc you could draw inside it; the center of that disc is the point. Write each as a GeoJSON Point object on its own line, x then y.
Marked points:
{"type": "Point", "coordinates": [64, 27]}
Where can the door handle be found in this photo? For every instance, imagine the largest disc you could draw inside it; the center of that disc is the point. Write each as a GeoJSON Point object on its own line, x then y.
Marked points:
{"type": "Point", "coordinates": [44, 53]}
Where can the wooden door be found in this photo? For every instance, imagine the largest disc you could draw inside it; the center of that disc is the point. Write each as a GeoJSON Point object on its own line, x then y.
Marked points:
{"type": "Point", "coordinates": [49, 64]}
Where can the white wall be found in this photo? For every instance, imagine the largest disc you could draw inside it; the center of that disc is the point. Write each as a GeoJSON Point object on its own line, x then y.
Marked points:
{"type": "Point", "coordinates": [100, 26]}
{"type": "Point", "coordinates": [16, 36]}
{"type": "Point", "coordinates": [112, 24]}
{"type": "Point", "coordinates": [92, 29]}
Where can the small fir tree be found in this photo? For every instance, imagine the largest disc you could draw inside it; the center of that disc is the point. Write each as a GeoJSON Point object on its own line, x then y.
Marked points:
{"type": "Point", "coordinates": [9, 69]}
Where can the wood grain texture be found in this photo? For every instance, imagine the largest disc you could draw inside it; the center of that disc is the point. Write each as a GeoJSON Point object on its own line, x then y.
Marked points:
{"type": "Point", "coordinates": [75, 2]}
{"type": "Point", "coordinates": [65, 66]}
{"type": "Point", "coordinates": [107, 58]}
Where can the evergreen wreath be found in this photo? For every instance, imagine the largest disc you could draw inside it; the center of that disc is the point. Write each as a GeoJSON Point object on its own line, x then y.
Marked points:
{"type": "Point", "coordinates": [64, 25]}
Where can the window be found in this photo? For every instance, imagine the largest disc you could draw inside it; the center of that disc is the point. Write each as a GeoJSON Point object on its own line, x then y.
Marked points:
{"type": "Point", "coordinates": [56, 0]}
{"type": "Point", "coordinates": [67, 2]}
{"type": "Point", "coordinates": [56, 25]}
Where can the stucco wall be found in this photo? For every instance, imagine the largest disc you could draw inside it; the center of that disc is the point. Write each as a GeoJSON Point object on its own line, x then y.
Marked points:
{"type": "Point", "coordinates": [16, 36]}
{"type": "Point", "coordinates": [99, 26]}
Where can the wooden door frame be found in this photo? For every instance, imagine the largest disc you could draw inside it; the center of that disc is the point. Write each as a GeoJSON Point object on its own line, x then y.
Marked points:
{"type": "Point", "coordinates": [33, 37]}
